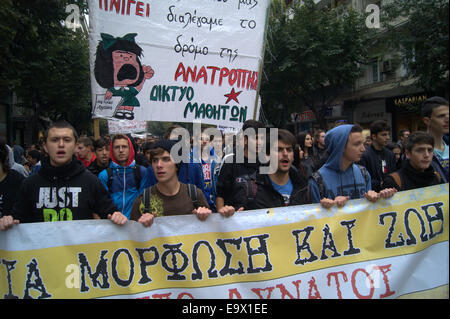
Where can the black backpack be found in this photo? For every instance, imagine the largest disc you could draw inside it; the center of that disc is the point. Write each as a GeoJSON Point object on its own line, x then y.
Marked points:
{"type": "Point", "coordinates": [250, 186]}
{"type": "Point", "coordinates": [136, 174]}
{"type": "Point", "coordinates": [192, 191]}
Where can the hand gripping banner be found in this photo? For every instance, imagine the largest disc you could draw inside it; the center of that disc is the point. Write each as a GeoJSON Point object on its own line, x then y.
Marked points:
{"type": "Point", "coordinates": [396, 248]}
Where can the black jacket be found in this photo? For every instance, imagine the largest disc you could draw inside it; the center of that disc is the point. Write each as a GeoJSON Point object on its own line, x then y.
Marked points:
{"type": "Point", "coordinates": [9, 189]}
{"type": "Point", "coordinates": [371, 160]}
{"type": "Point", "coordinates": [95, 169]}
{"type": "Point", "coordinates": [62, 193]}
{"type": "Point", "coordinates": [230, 176]}
{"type": "Point", "coordinates": [266, 196]}
{"type": "Point", "coordinates": [411, 178]}
{"type": "Point", "coordinates": [321, 155]}
{"type": "Point", "coordinates": [437, 165]}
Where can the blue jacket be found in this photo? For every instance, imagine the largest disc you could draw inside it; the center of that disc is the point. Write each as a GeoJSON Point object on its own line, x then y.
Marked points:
{"type": "Point", "coordinates": [210, 192]}
{"type": "Point", "coordinates": [436, 163]}
{"type": "Point", "coordinates": [350, 182]}
{"type": "Point", "coordinates": [124, 190]}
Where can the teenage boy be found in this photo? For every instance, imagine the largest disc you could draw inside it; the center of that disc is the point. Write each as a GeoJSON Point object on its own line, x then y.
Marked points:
{"type": "Point", "coordinates": [189, 172]}
{"type": "Point", "coordinates": [341, 179]}
{"type": "Point", "coordinates": [285, 187]}
{"type": "Point", "coordinates": [435, 112]}
{"type": "Point", "coordinates": [319, 149]}
{"type": "Point", "coordinates": [102, 159]}
{"type": "Point", "coordinates": [205, 155]}
{"type": "Point", "coordinates": [403, 134]}
{"type": "Point", "coordinates": [34, 160]}
{"type": "Point", "coordinates": [123, 179]}
{"type": "Point", "coordinates": [62, 189]}
{"type": "Point", "coordinates": [416, 171]}
{"type": "Point", "coordinates": [232, 172]}
{"type": "Point", "coordinates": [10, 181]}
{"type": "Point", "coordinates": [85, 152]}
{"type": "Point", "coordinates": [146, 148]}
{"type": "Point", "coordinates": [377, 159]}
{"type": "Point", "coordinates": [169, 196]}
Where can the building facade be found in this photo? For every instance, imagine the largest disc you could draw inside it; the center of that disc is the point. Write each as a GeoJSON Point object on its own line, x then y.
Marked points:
{"type": "Point", "coordinates": [381, 93]}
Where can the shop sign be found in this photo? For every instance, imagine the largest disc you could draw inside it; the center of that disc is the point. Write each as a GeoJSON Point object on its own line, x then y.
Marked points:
{"type": "Point", "coordinates": [411, 100]}
{"type": "Point", "coordinates": [306, 116]}
{"type": "Point", "coordinates": [370, 113]}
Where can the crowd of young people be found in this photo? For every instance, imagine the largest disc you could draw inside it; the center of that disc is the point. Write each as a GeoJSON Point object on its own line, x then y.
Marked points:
{"type": "Point", "coordinates": [121, 178]}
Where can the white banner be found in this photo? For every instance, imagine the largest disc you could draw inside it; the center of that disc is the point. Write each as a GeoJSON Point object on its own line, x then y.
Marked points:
{"type": "Point", "coordinates": [177, 60]}
{"type": "Point", "coordinates": [123, 126]}
{"type": "Point", "coordinates": [394, 248]}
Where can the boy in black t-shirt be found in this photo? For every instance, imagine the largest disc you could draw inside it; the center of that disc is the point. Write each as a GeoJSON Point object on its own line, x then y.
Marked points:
{"type": "Point", "coordinates": [379, 160]}
{"type": "Point", "coordinates": [232, 172]}
{"type": "Point", "coordinates": [62, 190]}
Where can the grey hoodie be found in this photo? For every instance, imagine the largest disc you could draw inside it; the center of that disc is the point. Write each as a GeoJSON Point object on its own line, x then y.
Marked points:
{"type": "Point", "coordinates": [17, 167]}
{"type": "Point", "coordinates": [350, 182]}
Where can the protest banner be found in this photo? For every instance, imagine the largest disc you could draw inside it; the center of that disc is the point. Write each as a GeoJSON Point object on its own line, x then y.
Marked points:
{"type": "Point", "coordinates": [177, 61]}
{"type": "Point", "coordinates": [122, 126]}
{"type": "Point", "coordinates": [394, 248]}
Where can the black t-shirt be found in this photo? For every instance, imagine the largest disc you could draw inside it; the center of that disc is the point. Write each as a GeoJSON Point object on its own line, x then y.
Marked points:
{"type": "Point", "coordinates": [9, 188]}
{"type": "Point", "coordinates": [379, 164]}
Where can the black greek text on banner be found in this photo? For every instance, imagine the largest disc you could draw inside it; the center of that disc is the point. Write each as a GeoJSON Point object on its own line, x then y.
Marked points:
{"type": "Point", "coordinates": [363, 250]}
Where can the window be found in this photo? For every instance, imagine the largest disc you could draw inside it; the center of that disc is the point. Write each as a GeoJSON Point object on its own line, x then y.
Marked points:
{"type": "Point", "coordinates": [376, 76]}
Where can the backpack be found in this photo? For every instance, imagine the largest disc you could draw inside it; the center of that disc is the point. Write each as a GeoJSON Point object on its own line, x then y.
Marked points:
{"type": "Point", "coordinates": [136, 174]}
{"type": "Point", "coordinates": [251, 188]}
{"type": "Point", "coordinates": [249, 181]}
{"type": "Point", "coordinates": [192, 191]}
{"type": "Point", "coordinates": [398, 180]}
{"type": "Point", "coordinates": [317, 177]}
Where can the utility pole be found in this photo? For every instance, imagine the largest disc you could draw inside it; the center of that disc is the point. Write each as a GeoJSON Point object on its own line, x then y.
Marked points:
{"type": "Point", "coordinates": [96, 128]}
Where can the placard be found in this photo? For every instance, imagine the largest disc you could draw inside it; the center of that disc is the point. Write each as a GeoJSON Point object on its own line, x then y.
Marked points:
{"type": "Point", "coordinates": [177, 60]}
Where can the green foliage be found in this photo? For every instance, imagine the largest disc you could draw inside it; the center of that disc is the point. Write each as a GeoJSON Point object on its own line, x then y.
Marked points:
{"type": "Point", "coordinates": [160, 128]}
{"type": "Point", "coordinates": [312, 55]}
{"type": "Point", "coordinates": [419, 30]}
{"type": "Point", "coordinates": [44, 63]}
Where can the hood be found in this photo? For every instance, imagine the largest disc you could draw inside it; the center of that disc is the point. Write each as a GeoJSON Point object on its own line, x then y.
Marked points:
{"type": "Point", "coordinates": [15, 166]}
{"type": "Point", "coordinates": [10, 156]}
{"type": "Point", "coordinates": [335, 142]}
{"type": "Point", "coordinates": [65, 172]}
{"type": "Point", "coordinates": [130, 156]}
{"type": "Point", "coordinates": [18, 152]}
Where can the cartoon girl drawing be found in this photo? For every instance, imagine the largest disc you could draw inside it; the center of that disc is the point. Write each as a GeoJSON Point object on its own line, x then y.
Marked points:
{"type": "Point", "coordinates": [118, 69]}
